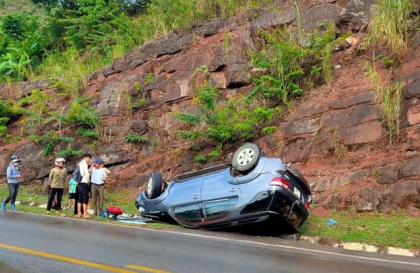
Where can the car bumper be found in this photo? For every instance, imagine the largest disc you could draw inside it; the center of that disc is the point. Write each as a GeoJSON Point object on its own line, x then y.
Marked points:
{"type": "Point", "coordinates": [280, 208]}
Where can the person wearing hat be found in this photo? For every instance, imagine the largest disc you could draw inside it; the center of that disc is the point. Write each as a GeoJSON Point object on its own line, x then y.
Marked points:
{"type": "Point", "coordinates": [13, 179]}
{"type": "Point", "coordinates": [97, 180]}
{"type": "Point", "coordinates": [57, 180]}
{"type": "Point", "coordinates": [83, 187]}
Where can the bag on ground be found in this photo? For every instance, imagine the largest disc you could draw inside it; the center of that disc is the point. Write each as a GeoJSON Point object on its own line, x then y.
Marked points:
{"type": "Point", "coordinates": [113, 211]}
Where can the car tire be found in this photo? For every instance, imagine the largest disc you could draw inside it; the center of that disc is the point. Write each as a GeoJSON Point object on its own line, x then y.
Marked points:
{"type": "Point", "coordinates": [246, 157]}
{"type": "Point", "coordinates": [154, 185]}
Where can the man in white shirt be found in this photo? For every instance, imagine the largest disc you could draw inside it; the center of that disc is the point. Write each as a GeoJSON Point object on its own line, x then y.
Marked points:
{"type": "Point", "coordinates": [98, 176]}
{"type": "Point", "coordinates": [83, 186]}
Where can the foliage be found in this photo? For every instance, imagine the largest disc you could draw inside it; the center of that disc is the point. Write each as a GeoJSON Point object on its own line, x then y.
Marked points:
{"type": "Point", "coordinates": [202, 69]}
{"type": "Point", "coordinates": [138, 103]}
{"type": "Point", "coordinates": [3, 126]}
{"type": "Point", "coordinates": [74, 38]}
{"type": "Point", "coordinates": [338, 147]}
{"type": "Point", "coordinates": [87, 133]}
{"type": "Point", "coordinates": [389, 25]}
{"type": "Point", "coordinates": [48, 4]}
{"type": "Point", "coordinates": [200, 158]}
{"type": "Point", "coordinates": [13, 26]}
{"type": "Point", "coordinates": [282, 59]}
{"type": "Point", "coordinates": [9, 111]}
{"type": "Point", "coordinates": [195, 148]}
{"type": "Point", "coordinates": [136, 139]}
{"type": "Point", "coordinates": [22, 46]}
{"type": "Point", "coordinates": [81, 113]}
{"type": "Point", "coordinates": [70, 67]}
{"type": "Point", "coordinates": [234, 121]}
{"type": "Point", "coordinates": [214, 154]}
{"type": "Point", "coordinates": [49, 141]}
{"type": "Point", "coordinates": [389, 98]}
{"type": "Point", "coordinates": [67, 153]}
{"type": "Point", "coordinates": [42, 109]}
{"type": "Point", "coordinates": [395, 230]}
{"type": "Point", "coordinates": [165, 16]}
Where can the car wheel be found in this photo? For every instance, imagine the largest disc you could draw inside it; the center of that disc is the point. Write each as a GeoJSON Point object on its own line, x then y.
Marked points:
{"type": "Point", "coordinates": [246, 157]}
{"type": "Point", "coordinates": [154, 185]}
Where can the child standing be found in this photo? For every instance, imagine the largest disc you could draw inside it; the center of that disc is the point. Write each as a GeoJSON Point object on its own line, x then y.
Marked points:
{"type": "Point", "coordinates": [72, 193]}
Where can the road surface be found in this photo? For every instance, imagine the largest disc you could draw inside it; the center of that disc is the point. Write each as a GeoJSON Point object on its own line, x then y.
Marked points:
{"type": "Point", "coordinates": [32, 243]}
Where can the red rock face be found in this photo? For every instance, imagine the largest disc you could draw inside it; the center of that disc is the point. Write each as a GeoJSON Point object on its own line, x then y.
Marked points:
{"type": "Point", "coordinates": [335, 135]}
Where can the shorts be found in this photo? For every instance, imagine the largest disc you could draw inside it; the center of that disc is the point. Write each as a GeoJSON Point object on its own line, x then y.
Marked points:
{"type": "Point", "coordinates": [72, 195]}
{"type": "Point", "coordinates": [83, 190]}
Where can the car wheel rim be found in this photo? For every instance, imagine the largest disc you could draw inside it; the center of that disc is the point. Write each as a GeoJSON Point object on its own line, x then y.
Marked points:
{"type": "Point", "coordinates": [246, 156]}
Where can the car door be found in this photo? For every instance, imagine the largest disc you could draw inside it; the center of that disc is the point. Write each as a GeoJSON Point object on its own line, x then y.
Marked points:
{"type": "Point", "coordinates": [184, 201]}
{"type": "Point", "coordinates": [218, 196]}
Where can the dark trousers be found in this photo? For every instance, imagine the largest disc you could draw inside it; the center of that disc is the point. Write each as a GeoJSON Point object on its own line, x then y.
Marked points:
{"type": "Point", "coordinates": [13, 192]}
{"type": "Point", "coordinates": [53, 192]}
{"type": "Point", "coordinates": [76, 200]}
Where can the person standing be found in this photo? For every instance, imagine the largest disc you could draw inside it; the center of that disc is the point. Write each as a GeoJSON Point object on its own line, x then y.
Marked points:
{"type": "Point", "coordinates": [13, 178]}
{"type": "Point", "coordinates": [72, 194]}
{"type": "Point", "coordinates": [57, 179]}
{"type": "Point", "coordinates": [97, 180]}
{"type": "Point", "coordinates": [83, 186]}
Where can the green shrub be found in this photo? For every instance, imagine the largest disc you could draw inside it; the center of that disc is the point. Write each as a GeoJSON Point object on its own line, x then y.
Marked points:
{"type": "Point", "coordinates": [49, 141]}
{"type": "Point", "coordinates": [3, 126]}
{"type": "Point", "coordinates": [9, 111]}
{"type": "Point", "coordinates": [87, 133]}
{"type": "Point", "coordinates": [136, 139]}
{"type": "Point", "coordinates": [388, 97]}
{"type": "Point", "coordinates": [67, 153]}
{"type": "Point", "coordinates": [82, 114]}
{"type": "Point", "coordinates": [200, 158]}
{"type": "Point", "coordinates": [195, 148]}
{"type": "Point", "coordinates": [389, 25]}
{"type": "Point", "coordinates": [236, 120]}
{"type": "Point", "coordinates": [288, 66]}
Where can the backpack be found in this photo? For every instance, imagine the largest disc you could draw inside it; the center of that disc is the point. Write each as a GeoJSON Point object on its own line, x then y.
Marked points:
{"type": "Point", "coordinates": [112, 212]}
{"type": "Point", "coordinates": [77, 176]}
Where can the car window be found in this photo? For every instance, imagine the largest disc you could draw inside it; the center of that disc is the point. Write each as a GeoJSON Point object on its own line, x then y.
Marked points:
{"type": "Point", "coordinates": [259, 202]}
{"type": "Point", "coordinates": [187, 213]}
{"type": "Point", "coordinates": [218, 209]}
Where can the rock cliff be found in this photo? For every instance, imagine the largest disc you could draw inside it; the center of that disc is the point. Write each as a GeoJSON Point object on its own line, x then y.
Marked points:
{"type": "Point", "coordinates": [335, 135]}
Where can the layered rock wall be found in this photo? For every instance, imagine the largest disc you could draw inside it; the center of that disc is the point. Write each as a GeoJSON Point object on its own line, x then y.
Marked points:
{"type": "Point", "coordinates": [336, 135]}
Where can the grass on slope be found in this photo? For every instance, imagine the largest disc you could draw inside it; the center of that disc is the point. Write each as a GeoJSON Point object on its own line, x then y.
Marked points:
{"type": "Point", "coordinates": [395, 230]}
{"type": "Point", "coordinates": [17, 6]}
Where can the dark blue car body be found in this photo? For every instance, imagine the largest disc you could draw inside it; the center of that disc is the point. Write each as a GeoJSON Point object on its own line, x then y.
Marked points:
{"type": "Point", "coordinates": [272, 193]}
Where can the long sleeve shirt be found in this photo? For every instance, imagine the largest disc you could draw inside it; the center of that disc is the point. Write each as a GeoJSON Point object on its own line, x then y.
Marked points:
{"type": "Point", "coordinates": [12, 174]}
{"type": "Point", "coordinates": [58, 177]}
{"type": "Point", "coordinates": [84, 171]}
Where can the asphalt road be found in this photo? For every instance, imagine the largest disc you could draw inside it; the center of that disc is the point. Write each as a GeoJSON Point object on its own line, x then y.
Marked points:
{"type": "Point", "coordinates": [36, 243]}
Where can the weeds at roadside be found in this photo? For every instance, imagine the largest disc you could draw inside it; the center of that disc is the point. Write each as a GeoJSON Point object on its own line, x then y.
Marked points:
{"type": "Point", "coordinates": [388, 96]}
{"type": "Point", "coordinates": [395, 230]}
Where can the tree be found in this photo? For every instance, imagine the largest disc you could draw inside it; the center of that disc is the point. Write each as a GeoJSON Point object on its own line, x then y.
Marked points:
{"type": "Point", "coordinates": [13, 26]}
{"type": "Point", "coordinates": [48, 4]}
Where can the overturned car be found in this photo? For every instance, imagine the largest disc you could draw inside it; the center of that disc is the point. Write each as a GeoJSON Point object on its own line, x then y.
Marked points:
{"type": "Point", "coordinates": [251, 190]}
